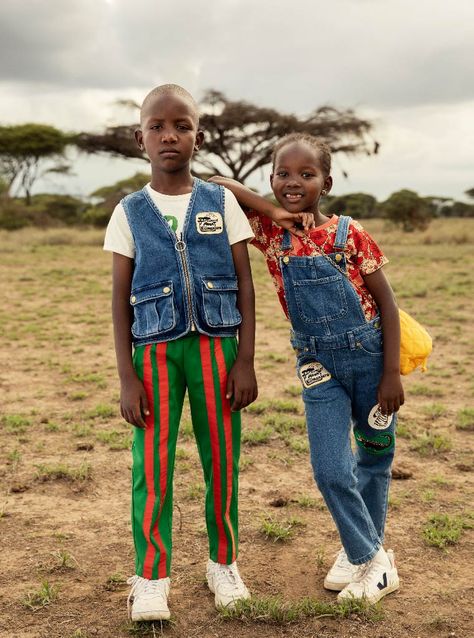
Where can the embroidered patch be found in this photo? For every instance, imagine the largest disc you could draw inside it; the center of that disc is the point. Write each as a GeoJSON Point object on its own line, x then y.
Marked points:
{"type": "Point", "coordinates": [377, 420]}
{"type": "Point", "coordinates": [378, 444]}
{"type": "Point", "coordinates": [313, 373]}
{"type": "Point", "coordinates": [209, 223]}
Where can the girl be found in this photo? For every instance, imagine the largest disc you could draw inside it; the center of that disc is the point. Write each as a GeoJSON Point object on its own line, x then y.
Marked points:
{"type": "Point", "coordinates": [332, 289]}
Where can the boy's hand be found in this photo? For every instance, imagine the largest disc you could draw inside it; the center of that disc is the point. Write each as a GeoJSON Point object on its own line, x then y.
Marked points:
{"type": "Point", "coordinates": [289, 220]}
{"type": "Point", "coordinates": [133, 402]}
{"type": "Point", "coordinates": [241, 385]}
{"type": "Point", "coordinates": [390, 393]}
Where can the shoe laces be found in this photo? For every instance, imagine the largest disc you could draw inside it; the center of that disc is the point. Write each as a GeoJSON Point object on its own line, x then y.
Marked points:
{"type": "Point", "coordinates": [145, 588]}
{"type": "Point", "coordinates": [341, 559]}
{"type": "Point", "coordinates": [226, 575]}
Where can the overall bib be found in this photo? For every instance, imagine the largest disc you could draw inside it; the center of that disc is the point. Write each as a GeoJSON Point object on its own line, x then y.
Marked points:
{"type": "Point", "coordinates": [340, 363]}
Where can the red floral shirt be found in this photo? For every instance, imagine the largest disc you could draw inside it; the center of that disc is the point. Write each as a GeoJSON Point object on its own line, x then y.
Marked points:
{"type": "Point", "coordinates": [363, 256]}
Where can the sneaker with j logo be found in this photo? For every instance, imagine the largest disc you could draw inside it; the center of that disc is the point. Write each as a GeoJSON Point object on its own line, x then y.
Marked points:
{"type": "Point", "coordinates": [373, 580]}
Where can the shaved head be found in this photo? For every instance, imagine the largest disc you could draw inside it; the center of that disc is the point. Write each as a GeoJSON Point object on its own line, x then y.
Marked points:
{"type": "Point", "coordinates": [167, 89]}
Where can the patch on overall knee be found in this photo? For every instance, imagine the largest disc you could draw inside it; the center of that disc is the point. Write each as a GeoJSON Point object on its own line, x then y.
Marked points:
{"type": "Point", "coordinates": [378, 444]}
{"type": "Point", "coordinates": [379, 421]}
{"type": "Point", "coordinates": [313, 373]}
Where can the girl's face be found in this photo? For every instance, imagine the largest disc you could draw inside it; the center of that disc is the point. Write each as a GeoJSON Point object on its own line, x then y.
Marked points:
{"type": "Point", "coordinates": [298, 178]}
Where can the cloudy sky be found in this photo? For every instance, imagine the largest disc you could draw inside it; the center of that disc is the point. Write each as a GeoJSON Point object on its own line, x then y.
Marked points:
{"type": "Point", "coordinates": [408, 66]}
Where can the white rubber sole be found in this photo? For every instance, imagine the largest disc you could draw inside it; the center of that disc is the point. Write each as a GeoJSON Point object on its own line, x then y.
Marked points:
{"type": "Point", "coordinates": [156, 614]}
{"type": "Point", "coordinates": [393, 585]}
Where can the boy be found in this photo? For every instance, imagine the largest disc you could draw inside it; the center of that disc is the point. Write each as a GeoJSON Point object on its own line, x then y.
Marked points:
{"type": "Point", "coordinates": [182, 287]}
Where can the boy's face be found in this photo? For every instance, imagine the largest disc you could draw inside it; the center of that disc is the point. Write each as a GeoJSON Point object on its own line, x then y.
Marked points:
{"type": "Point", "coordinates": [169, 132]}
{"type": "Point", "coordinates": [298, 178]}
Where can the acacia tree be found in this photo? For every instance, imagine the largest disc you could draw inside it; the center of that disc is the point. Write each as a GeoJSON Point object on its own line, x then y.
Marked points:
{"type": "Point", "coordinates": [28, 151]}
{"type": "Point", "coordinates": [239, 136]}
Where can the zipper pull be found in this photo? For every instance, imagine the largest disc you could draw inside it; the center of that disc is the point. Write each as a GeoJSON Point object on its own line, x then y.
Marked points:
{"type": "Point", "coordinates": [180, 245]}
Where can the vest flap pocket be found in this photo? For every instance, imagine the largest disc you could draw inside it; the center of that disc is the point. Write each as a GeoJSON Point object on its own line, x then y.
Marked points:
{"type": "Point", "coordinates": [163, 289]}
{"type": "Point", "coordinates": [220, 301]}
{"type": "Point", "coordinates": [221, 283]}
{"type": "Point", "coordinates": [153, 309]}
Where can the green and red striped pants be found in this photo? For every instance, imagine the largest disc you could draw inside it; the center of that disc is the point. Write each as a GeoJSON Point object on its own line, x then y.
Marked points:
{"type": "Point", "coordinates": [199, 364]}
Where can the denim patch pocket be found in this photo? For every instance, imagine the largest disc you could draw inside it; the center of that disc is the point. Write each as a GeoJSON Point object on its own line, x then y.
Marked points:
{"type": "Point", "coordinates": [320, 300]}
{"type": "Point", "coordinates": [153, 309]}
{"type": "Point", "coordinates": [371, 342]}
{"type": "Point", "coordinates": [220, 301]}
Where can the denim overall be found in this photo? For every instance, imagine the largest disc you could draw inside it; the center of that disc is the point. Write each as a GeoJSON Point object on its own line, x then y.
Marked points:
{"type": "Point", "coordinates": [340, 363]}
{"type": "Point", "coordinates": [182, 282]}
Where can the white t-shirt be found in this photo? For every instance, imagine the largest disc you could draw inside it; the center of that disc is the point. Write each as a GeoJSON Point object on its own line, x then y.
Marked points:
{"type": "Point", "coordinates": [119, 239]}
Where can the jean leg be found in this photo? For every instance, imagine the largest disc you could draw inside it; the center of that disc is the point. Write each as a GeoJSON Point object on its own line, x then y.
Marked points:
{"type": "Point", "coordinates": [375, 447]}
{"type": "Point", "coordinates": [328, 416]}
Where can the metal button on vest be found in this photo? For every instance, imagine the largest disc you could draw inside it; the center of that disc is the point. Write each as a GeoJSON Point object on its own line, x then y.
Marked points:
{"type": "Point", "coordinates": [166, 289]}
{"type": "Point", "coordinates": [133, 299]}
{"type": "Point", "coordinates": [338, 257]}
{"type": "Point", "coordinates": [210, 284]}
{"type": "Point", "coordinates": [377, 324]}
{"type": "Point", "coordinates": [286, 259]}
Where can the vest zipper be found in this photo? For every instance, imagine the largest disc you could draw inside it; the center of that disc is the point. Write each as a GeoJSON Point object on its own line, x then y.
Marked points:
{"type": "Point", "coordinates": [180, 246]}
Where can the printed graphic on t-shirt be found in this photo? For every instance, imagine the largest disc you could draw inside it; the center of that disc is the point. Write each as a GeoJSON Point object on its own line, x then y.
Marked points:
{"type": "Point", "coordinates": [172, 222]}
{"type": "Point", "coordinates": [209, 223]}
{"type": "Point", "coordinates": [313, 373]}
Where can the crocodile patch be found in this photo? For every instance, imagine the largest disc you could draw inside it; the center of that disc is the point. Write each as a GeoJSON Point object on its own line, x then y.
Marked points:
{"type": "Point", "coordinates": [378, 444]}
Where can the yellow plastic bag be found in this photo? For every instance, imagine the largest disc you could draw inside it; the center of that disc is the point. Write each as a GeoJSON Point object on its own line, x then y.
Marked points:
{"type": "Point", "coordinates": [415, 344]}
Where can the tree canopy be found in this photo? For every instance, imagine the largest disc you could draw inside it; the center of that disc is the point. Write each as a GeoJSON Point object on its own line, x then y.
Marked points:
{"type": "Point", "coordinates": [408, 210]}
{"type": "Point", "coordinates": [239, 136]}
{"type": "Point", "coordinates": [28, 151]}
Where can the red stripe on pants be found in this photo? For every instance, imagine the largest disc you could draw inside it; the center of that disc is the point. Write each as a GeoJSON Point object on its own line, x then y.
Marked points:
{"type": "Point", "coordinates": [227, 434]}
{"type": "Point", "coordinates": [204, 343]}
{"type": "Point", "coordinates": [150, 456]}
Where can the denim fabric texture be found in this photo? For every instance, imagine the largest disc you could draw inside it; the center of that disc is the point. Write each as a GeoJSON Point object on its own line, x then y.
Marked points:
{"type": "Point", "coordinates": [340, 363]}
{"type": "Point", "coordinates": [183, 281]}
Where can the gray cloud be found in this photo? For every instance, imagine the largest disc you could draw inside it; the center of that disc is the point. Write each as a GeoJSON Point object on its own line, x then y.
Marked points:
{"type": "Point", "coordinates": [292, 56]}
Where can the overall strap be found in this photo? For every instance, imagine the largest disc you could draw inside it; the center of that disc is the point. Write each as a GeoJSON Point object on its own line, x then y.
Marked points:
{"type": "Point", "coordinates": [286, 242]}
{"type": "Point", "coordinates": [342, 232]}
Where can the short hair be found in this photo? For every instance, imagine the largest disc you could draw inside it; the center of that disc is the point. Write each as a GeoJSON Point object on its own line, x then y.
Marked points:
{"type": "Point", "coordinates": [311, 140]}
{"type": "Point", "coordinates": [163, 89]}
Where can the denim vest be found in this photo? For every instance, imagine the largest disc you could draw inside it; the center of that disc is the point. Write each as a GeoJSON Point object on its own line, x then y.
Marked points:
{"type": "Point", "coordinates": [324, 308]}
{"type": "Point", "coordinates": [178, 282]}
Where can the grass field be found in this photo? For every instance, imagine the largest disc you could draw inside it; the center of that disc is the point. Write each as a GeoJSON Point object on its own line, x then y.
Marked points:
{"type": "Point", "coordinates": [65, 461]}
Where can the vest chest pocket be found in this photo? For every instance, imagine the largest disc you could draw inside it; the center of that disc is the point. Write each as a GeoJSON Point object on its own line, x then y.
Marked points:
{"type": "Point", "coordinates": [153, 309]}
{"type": "Point", "coordinates": [220, 301]}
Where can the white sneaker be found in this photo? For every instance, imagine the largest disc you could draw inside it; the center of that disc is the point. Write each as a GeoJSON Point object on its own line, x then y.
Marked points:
{"type": "Point", "coordinates": [373, 580]}
{"type": "Point", "coordinates": [149, 598]}
{"type": "Point", "coordinates": [341, 573]}
{"type": "Point", "coordinates": [225, 583]}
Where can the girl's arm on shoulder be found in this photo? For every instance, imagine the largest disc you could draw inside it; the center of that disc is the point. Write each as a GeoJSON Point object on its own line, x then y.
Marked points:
{"type": "Point", "coordinates": [252, 200]}
{"type": "Point", "coordinates": [241, 381]}
{"type": "Point", "coordinates": [133, 400]}
{"type": "Point", "coordinates": [390, 392]}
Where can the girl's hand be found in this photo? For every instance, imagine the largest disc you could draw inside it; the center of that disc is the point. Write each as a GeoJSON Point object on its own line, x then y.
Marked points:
{"type": "Point", "coordinates": [222, 181]}
{"type": "Point", "coordinates": [289, 220]}
{"type": "Point", "coordinates": [390, 393]}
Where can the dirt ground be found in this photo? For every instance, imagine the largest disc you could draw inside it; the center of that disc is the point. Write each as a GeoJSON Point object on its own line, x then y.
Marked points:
{"type": "Point", "coordinates": [66, 547]}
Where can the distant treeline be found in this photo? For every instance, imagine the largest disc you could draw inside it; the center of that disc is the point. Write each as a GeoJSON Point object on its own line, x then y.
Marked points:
{"type": "Point", "coordinates": [405, 207]}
